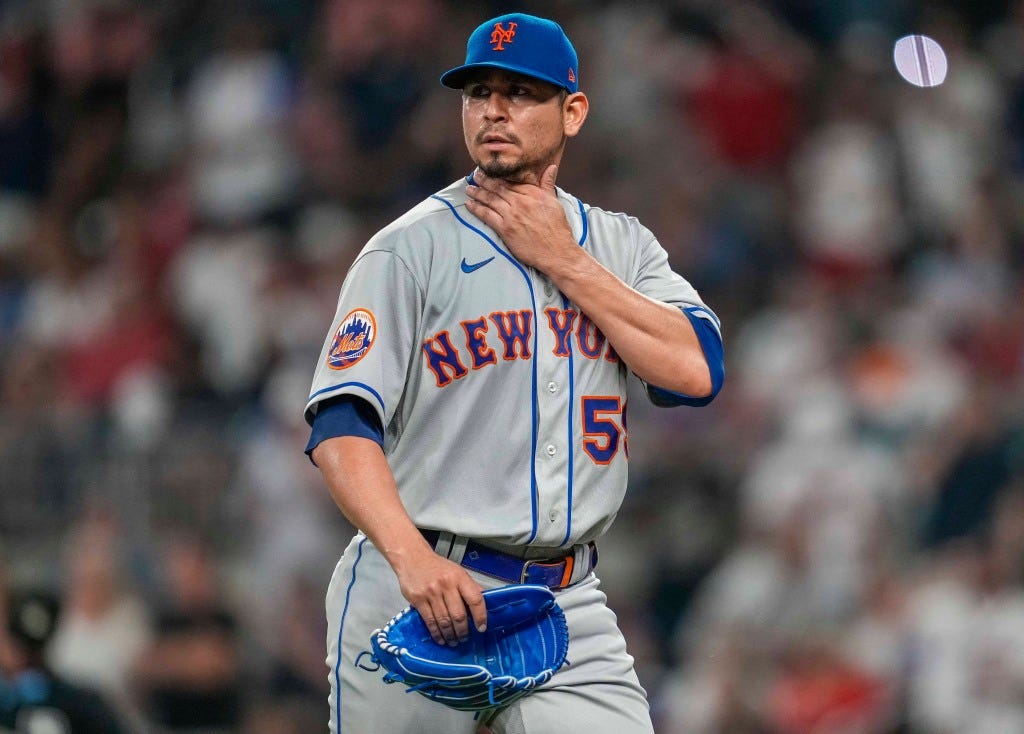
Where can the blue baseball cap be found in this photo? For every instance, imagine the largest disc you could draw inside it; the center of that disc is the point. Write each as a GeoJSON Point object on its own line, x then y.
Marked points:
{"type": "Point", "coordinates": [524, 44]}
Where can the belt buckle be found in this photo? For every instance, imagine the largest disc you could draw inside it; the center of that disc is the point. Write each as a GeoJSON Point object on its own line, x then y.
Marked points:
{"type": "Point", "coordinates": [525, 571]}
{"type": "Point", "coordinates": [569, 562]}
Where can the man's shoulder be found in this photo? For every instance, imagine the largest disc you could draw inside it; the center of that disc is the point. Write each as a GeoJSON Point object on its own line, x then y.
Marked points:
{"type": "Point", "coordinates": [603, 220]}
{"type": "Point", "coordinates": [420, 224]}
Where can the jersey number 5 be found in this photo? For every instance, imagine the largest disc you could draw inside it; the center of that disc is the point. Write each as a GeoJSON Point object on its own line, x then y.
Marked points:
{"type": "Point", "coordinates": [601, 433]}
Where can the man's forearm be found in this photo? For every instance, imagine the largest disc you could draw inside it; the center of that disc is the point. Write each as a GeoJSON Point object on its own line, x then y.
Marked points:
{"type": "Point", "coordinates": [362, 485]}
{"type": "Point", "coordinates": [655, 339]}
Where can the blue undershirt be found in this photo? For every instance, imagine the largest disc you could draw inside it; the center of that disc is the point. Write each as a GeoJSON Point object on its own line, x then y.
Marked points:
{"type": "Point", "coordinates": [345, 415]}
{"type": "Point", "coordinates": [711, 345]}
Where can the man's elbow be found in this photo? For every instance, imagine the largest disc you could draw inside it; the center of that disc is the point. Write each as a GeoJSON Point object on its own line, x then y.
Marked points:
{"type": "Point", "coordinates": [696, 379]}
{"type": "Point", "coordinates": [701, 366]}
{"type": "Point", "coordinates": [693, 383]}
{"type": "Point", "coordinates": [692, 373]}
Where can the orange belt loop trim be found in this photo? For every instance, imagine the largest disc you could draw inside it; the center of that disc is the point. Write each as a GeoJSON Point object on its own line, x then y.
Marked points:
{"type": "Point", "coordinates": [569, 562]}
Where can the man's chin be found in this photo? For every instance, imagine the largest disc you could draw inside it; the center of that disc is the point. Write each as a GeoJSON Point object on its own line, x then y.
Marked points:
{"type": "Point", "coordinates": [495, 168]}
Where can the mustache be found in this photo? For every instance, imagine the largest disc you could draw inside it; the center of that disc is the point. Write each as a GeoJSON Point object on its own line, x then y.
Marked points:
{"type": "Point", "coordinates": [479, 140]}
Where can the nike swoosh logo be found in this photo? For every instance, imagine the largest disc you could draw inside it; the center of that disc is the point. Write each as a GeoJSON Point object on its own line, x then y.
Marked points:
{"type": "Point", "coordinates": [467, 268]}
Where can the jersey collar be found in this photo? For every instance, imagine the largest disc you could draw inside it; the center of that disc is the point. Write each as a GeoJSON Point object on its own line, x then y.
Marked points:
{"type": "Point", "coordinates": [573, 207]}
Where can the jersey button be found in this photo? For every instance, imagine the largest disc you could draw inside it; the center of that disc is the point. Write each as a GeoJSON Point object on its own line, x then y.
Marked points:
{"type": "Point", "coordinates": [553, 515]}
{"type": "Point", "coordinates": [548, 290]}
{"type": "Point", "coordinates": [551, 450]}
{"type": "Point", "coordinates": [552, 387]}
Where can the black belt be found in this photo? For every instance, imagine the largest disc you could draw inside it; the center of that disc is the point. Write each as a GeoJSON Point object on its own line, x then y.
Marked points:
{"type": "Point", "coordinates": [555, 573]}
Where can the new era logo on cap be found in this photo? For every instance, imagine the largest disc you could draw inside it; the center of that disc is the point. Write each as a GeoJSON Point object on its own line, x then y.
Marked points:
{"type": "Point", "coordinates": [520, 43]}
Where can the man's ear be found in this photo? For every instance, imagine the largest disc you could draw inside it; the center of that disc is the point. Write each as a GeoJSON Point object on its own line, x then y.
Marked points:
{"type": "Point", "coordinates": [574, 109]}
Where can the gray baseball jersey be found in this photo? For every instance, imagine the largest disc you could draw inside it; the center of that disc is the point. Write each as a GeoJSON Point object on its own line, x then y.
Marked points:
{"type": "Point", "coordinates": [504, 406]}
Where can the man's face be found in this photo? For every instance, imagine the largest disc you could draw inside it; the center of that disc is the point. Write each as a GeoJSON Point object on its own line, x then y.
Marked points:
{"type": "Point", "coordinates": [514, 125]}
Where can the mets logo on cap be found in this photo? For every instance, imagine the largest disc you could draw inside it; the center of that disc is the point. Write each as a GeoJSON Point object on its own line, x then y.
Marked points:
{"type": "Point", "coordinates": [501, 35]}
{"type": "Point", "coordinates": [353, 339]}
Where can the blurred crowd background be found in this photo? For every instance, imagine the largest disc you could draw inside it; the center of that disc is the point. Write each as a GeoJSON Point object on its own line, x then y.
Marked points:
{"type": "Point", "coordinates": [835, 546]}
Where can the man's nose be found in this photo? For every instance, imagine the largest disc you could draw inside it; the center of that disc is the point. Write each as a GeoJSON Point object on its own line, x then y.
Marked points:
{"type": "Point", "coordinates": [497, 107]}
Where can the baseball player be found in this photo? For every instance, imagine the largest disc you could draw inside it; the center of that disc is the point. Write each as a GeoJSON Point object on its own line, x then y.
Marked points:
{"type": "Point", "coordinates": [468, 409]}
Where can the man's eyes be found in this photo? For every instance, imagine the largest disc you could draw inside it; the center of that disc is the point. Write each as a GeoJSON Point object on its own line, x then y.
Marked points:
{"type": "Point", "coordinates": [513, 91]}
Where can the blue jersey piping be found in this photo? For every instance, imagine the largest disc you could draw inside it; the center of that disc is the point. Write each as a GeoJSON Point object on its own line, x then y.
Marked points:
{"type": "Point", "coordinates": [702, 309]}
{"type": "Point", "coordinates": [348, 384]}
{"type": "Point", "coordinates": [341, 627]}
{"type": "Point", "coordinates": [586, 223]}
{"type": "Point", "coordinates": [572, 395]}
{"type": "Point", "coordinates": [533, 357]}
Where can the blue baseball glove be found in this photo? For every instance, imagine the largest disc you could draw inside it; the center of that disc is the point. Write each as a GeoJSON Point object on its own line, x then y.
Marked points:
{"type": "Point", "coordinates": [525, 643]}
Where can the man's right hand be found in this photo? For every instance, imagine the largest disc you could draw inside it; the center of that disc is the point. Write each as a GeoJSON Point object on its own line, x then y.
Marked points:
{"type": "Point", "coordinates": [362, 485]}
{"type": "Point", "coordinates": [442, 592]}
